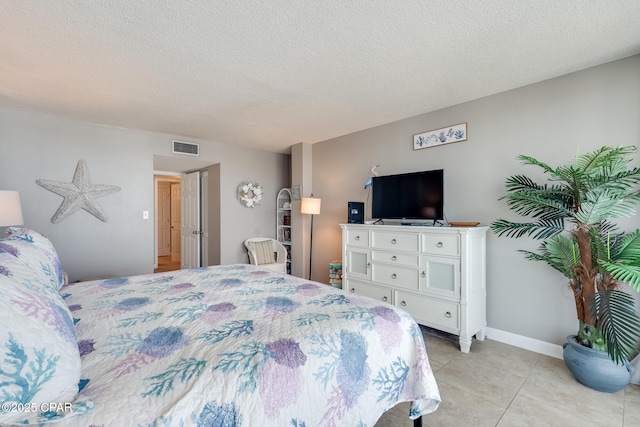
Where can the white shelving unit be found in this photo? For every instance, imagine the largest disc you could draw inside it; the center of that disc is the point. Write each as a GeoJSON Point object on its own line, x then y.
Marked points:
{"type": "Point", "coordinates": [283, 222]}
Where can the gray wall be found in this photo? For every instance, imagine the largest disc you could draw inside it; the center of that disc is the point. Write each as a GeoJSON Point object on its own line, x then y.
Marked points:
{"type": "Point", "coordinates": [34, 146]}
{"type": "Point", "coordinates": [551, 121]}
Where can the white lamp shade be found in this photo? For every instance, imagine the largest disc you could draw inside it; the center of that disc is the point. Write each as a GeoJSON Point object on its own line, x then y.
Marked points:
{"type": "Point", "coordinates": [10, 209]}
{"type": "Point", "coordinates": [310, 205]}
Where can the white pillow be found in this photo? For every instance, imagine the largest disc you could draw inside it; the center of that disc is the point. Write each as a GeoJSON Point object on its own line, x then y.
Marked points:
{"type": "Point", "coordinates": [39, 356]}
{"type": "Point", "coordinates": [35, 251]}
{"type": "Point", "coordinates": [263, 252]}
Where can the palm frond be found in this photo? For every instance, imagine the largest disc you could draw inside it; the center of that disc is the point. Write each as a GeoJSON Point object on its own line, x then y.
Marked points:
{"type": "Point", "coordinates": [623, 272]}
{"type": "Point", "coordinates": [600, 246]}
{"type": "Point", "coordinates": [607, 227]}
{"type": "Point", "coordinates": [539, 230]}
{"type": "Point", "coordinates": [617, 318]}
{"type": "Point", "coordinates": [534, 256]}
{"type": "Point", "coordinates": [522, 183]}
{"type": "Point", "coordinates": [537, 205]}
{"type": "Point", "coordinates": [559, 252]}
{"type": "Point", "coordinates": [528, 160]}
{"type": "Point", "coordinates": [627, 248]}
{"type": "Point", "coordinates": [569, 175]}
{"type": "Point", "coordinates": [603, 157]}
{"type": "Point", "coordinates": [618, 173]}
{"type": "Point", "coordinates": [602, 203]}
{"type": "Point", "coordinates": [564, 254]}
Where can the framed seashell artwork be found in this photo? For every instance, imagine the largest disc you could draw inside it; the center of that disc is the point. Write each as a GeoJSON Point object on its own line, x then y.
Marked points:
{"type": "Point", "coordinates": [446, 135]}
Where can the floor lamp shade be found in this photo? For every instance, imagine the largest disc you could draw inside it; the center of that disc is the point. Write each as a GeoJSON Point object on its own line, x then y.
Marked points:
{"type": "Point", "coordinates": [10, 209]}
{"type": "Point", "coordinates": [310, 206]}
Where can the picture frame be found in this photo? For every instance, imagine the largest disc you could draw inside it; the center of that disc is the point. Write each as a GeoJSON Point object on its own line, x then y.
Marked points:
{"type": "Point", "coordinates": [436, 137]}
{"type": "Point", "coordinates": [296, 192]}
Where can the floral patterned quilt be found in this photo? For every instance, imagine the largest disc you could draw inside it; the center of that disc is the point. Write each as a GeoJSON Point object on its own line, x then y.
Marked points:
{"type": "Point", "coordinates": [240, 346]}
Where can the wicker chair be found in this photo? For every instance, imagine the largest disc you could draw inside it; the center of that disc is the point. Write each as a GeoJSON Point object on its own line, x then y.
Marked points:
{"type": "Point", "coordinates": [267, 253]}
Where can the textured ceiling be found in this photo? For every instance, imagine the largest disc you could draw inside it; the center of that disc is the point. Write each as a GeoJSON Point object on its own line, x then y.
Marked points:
{"type": "Point", "coordinates": [269, 74]}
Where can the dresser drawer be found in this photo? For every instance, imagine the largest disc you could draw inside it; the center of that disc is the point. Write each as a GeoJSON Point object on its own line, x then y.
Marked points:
{"type": "Point", "coordinates": [442, 244]}
{"type": "Point", "coordinates": [432, 311]}
{"type": "Point", "coordinates": [368, 290]}
{"type": "Point", "coordinates": [396, 258]}
{"type": "Point", "coordinates": [409, 242]}
{"type": "Point", "coordinates": [358, 237]}
{"type": "Point", "coordinates": [396, 276]}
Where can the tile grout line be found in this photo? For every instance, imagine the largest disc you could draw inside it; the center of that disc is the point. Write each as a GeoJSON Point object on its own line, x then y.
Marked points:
{"type": "Point", "coordinates": [519, 390]}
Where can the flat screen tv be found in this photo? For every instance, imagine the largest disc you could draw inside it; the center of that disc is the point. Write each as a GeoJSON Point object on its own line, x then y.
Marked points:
{"type": "Point", "coordinates": [417, 195]}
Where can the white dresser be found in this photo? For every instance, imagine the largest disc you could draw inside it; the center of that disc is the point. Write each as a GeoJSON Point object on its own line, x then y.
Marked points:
{"type": "Point", "coordinates": [437, 274]}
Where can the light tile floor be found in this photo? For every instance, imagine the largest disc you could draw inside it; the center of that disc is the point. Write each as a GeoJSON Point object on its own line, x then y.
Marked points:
{"type": "Point", "coordinates": [500, 385]}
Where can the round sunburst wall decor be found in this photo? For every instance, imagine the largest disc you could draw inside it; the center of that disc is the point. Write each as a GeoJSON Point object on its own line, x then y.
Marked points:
{"type": "Point", "coordinates": [249, 194]}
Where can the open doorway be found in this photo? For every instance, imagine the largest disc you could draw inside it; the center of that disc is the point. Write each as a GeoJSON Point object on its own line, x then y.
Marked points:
{"type": "Point", "coordinates": [167, 196]}
{"type": "Point", "coordinates": [207, 202]}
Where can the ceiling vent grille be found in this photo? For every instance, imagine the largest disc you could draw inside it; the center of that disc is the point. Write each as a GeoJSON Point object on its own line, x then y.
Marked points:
{"type": "Point", "coordinates": [190, 148]}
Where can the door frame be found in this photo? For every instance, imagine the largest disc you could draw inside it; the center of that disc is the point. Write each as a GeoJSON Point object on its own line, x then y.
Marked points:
{"type": "Point", "coordinates": [159, 176]}
{"type": "Point", "coordinates": [176, 203]}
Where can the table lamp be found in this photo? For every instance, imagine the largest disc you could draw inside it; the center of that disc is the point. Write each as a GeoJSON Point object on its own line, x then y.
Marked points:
{"type": "Point", "coordinates": [10, 209]}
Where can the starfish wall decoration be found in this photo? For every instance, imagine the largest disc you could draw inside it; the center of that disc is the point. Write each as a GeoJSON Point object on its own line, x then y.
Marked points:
{"type": "Point", "coordinates": [78, 194]}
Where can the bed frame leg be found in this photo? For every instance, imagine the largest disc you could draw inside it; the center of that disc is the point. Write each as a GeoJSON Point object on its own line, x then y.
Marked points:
{"type": "Point", "coordinates": [417, 422]}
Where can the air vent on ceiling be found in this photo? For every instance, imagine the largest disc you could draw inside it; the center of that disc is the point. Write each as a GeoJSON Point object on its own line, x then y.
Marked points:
{"type": "Point", "coordinates": [189, 148]}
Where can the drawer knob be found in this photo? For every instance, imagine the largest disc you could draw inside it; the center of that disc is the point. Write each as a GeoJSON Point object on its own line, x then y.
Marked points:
{"type": "Point", "coordinates": [403, 303]}
{"type": "Point", "coordinates": [447, 314]}
{"type": "Point", "coordinates": [393, 258]}
{"type": "Point", "coordinates": [357, 237]}
{"type": "Point", "coordinates": [439, 245]}
{"type": "Point", "coordinates": [393, 276]}
{"type": "Point", "coordinates": [393, 241]}
{"type": "Point", "coordinates": [423, 274]}
{"type": "Point", "coordinates": [368, 264]}
{"type": "Point", "coordinates": [384, 299]}
{"type": "Point", "coordinates": [352, 290]}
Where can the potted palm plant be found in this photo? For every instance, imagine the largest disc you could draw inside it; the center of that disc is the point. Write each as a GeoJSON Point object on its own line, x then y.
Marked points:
{"type": "Point", "coordinates": [572, 214]}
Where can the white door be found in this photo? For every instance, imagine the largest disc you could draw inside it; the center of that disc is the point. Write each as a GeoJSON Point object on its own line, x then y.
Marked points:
{"type": "Point", "coordinates": [175, 222]}
{"type": "Point", "coordinates": [190, 220]}
{"type": "Point", "coordinates": [163, 218]}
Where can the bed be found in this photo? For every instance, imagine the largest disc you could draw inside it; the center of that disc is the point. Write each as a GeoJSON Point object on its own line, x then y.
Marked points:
{"type": "Point", "coordinates": [231, 345]}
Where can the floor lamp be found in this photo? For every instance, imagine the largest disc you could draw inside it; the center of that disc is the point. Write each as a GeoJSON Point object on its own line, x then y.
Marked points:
{"type": "Point", "coordinates": [10, 209]}
{"type": "Point", "coordinates": [310, 206]}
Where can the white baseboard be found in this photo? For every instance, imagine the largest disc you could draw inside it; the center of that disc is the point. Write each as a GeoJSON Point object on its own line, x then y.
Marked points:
{"type": "Point", "coordinates": [527, 343]}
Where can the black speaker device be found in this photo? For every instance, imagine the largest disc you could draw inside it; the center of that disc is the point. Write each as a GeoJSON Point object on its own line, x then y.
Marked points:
{"type": "Point", "coordinates": [355, 212]}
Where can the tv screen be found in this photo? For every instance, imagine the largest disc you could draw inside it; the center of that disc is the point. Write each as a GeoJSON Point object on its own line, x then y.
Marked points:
{"type": "Point", "coordinates": [417, 195]}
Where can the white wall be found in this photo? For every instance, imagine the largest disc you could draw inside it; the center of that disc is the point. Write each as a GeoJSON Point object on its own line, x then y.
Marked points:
{"type": "Point", "coordinates": [34, 146]}
{"type": "Point", "coordinates": [551, 121]}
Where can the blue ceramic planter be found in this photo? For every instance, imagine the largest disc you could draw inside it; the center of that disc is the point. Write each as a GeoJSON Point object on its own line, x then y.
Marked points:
{"type": "Point", "coordinates": [594, 368]}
